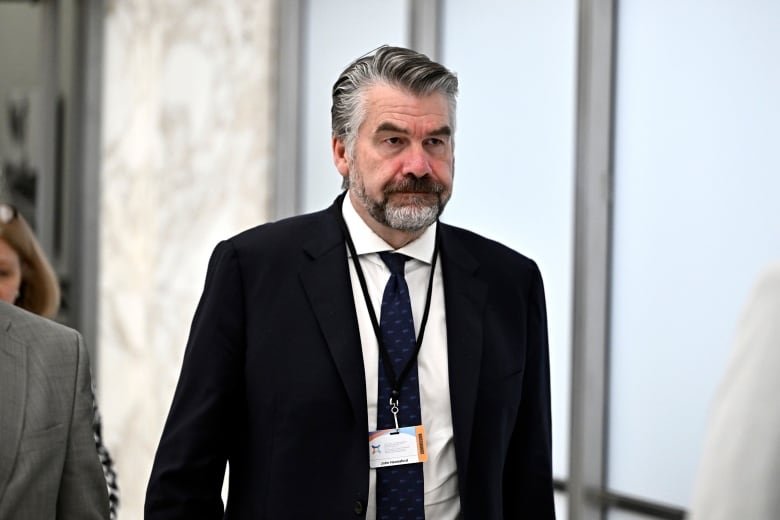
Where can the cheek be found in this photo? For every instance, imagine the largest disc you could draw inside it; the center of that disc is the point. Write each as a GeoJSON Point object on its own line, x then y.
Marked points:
{"type": "Point", "coordinates": [8, 290]}
{"type": "Point", "coordinates": [444, 172]}
{"type": "Point", "coordinates": [376, 175]}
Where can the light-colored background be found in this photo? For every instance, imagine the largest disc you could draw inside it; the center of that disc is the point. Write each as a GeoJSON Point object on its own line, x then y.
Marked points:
{"type": "Point", "coordinates": [187, 154]}
{"type": "Point", "coordinates": [187, 112]}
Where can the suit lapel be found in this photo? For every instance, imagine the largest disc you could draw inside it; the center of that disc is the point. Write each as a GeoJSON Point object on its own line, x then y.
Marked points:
{"type": "Point", "coordinates": [13, 393]}
{"type": "Point", "coordinates": [464, 296]}
{"type": "Point", "coordinates": [327, 284]}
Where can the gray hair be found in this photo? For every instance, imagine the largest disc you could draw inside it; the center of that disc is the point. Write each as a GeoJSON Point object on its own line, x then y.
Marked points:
{"type": "Point", "coordinates": [394, 66]}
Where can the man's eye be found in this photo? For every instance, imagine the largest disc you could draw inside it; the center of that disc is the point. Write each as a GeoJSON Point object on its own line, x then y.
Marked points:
{"type": "Point", "coordinates": [393, 140]}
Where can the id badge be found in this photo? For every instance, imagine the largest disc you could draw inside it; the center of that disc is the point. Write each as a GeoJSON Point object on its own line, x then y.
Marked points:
{"type": "Point", "coordinates": [396, 447]}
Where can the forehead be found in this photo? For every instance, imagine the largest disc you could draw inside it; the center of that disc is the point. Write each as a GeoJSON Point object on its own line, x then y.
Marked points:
{"type": "Point", "coordinates": [6, 251]}
{"type": "Point", "coordinates": [386, 103]}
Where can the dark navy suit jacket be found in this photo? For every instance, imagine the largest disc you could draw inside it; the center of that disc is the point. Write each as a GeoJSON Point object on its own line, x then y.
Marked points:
{"type": "Point", "coordinates": [273, 383]}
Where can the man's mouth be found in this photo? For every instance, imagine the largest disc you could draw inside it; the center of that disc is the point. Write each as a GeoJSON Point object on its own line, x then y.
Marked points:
{"type": "Point", "coordinates": [415, 187]}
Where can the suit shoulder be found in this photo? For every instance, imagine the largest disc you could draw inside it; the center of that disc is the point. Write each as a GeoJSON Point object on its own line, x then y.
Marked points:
{"type": "Point", "coordinates": [281, 232]}
{"type": "Point", "coordinates": [23, 323]}
{"type": "Point", "coordinates": [34, 330]}
{"type": "Point", "coordinates": [277, 246]}
{"type": "Point", "coordinates": [490, 252]}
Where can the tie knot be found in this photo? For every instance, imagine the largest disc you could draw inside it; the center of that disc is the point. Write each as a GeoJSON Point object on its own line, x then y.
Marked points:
{"type": "Point", "coordinates": [394, 261]}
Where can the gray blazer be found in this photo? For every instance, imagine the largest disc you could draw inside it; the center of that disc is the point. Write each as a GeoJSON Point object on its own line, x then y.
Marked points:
{"type": "Point", "coordinates": [49, 466]}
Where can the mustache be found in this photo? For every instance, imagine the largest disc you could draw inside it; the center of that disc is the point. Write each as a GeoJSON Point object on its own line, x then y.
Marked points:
{"type": "Point", "coordinates": [415, 185]}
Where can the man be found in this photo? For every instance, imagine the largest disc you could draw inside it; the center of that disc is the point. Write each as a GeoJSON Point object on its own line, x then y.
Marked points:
{"type": "Point", "coordinates": [49, 466]}
{"type": "Point", "coordinates": [339, 380]}
{"type": "Point", "coordinates": [740, 463]}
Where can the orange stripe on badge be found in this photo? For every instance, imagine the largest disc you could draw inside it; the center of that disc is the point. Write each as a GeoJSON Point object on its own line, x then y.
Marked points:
{"type": "Point", "coordinates": [422, 449]}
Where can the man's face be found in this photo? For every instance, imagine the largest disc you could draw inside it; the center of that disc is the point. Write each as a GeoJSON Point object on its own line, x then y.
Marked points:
{"type": "Point", "coordinates": [400, 171]}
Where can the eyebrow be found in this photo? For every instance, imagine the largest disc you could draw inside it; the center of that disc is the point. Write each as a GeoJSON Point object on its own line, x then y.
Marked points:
{"type": "Point", "coordinates": [390, 127]}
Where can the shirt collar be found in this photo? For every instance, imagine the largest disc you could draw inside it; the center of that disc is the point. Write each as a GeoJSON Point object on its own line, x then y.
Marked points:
{"type": "Point", "coordinates": [366, 241]}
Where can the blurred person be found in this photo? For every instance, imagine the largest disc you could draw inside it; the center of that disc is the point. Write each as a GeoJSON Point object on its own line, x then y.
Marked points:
{"type": "Point", "coordinates": [49, 468]}
{"type": "Point", "coordinates": [740, 463]}
{"type": "Point", "coordinates": [306, 369]}
{"type": "Point", "coordinates": [28, 281]}
{"type": "Point", "coordinates": [26, 277]}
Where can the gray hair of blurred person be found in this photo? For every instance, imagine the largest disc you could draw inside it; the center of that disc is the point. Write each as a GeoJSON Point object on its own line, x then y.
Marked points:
{"type": "Point", "coordinates": [394, 66]}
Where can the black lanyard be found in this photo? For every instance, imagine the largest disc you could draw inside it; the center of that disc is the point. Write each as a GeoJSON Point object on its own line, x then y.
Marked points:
{"type": "Point", "coordinates": [395, 381]}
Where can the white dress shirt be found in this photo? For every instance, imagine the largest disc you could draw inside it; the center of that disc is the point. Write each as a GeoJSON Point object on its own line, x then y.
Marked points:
{"type": "Point", "coordinates": [440, 471]}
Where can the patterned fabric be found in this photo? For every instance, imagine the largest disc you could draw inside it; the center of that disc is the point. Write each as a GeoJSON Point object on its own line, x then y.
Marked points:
{"type": "Point", "coordinates": [399, 489]}
{"type": "Point", "coordinates": [105, 461]}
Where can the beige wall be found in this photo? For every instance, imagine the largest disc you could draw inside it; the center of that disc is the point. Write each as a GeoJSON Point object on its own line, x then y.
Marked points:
{"type": "Point", "coordinates": [187, 110]}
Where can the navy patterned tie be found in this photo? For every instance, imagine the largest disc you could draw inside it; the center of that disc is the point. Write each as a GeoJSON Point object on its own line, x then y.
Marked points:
{"type": "Point", "coordinates": [399, 489]}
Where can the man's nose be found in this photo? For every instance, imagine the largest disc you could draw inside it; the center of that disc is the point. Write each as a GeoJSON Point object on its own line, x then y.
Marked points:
{"type": "Point", "coordinates": [417, 162]}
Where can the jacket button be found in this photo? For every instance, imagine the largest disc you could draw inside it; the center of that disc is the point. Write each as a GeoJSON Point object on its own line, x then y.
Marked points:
{"type": "Point", "coordinates": [358, 507]}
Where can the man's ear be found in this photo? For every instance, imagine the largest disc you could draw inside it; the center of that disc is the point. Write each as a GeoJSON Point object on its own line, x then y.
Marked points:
{"type": "Point", "coordinates": [340, 156]}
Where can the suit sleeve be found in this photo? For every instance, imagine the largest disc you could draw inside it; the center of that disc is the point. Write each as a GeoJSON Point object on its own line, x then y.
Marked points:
{"type": "Point", "coordinates": [83, 493]}
{"type": "Point", "coordinates": [189, 467]}
{"type": "Point", "coordinates": [528, 491]}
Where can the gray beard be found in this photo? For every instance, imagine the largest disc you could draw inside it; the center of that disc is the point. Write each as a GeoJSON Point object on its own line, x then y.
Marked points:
{"type": "Point", "coordinates": [417, 215]}
{"type": "Point", "coordinates": [407, 218]}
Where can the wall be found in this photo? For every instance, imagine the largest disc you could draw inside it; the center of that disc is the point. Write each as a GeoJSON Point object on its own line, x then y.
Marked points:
{"type": "Point", "coordinates": [695, 222]}
{"type": "Point", "coordinates": [188, 97]}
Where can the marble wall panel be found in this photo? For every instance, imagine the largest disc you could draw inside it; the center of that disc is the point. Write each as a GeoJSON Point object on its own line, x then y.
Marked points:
{"type": "Point", "coordinates": [187, 115]}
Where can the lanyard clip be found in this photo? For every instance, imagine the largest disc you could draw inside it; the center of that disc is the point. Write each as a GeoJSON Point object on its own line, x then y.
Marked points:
{"type": "Point", "coordinates": [394, 411]}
